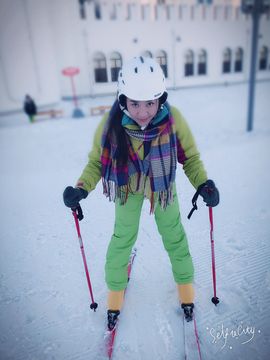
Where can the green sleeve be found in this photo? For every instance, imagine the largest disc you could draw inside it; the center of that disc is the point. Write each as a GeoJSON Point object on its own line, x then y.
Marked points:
{"type": "Point", "coordinates": [92, 171]}
{"type": "Point", "coordinates": [188, 153]}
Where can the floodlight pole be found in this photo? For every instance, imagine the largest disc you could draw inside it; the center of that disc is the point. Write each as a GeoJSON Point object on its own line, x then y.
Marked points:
{"type": "Point", "coordinates": [252, 75]}
{"type": "Point", "coordinates": [255, 8]}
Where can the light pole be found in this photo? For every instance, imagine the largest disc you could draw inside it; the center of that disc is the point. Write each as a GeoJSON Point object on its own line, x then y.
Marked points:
{"type": "Point", "coordinates": [255, 8]}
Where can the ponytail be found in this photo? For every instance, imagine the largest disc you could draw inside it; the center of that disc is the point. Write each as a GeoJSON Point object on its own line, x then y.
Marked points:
{"type": "Point", "coordinates": [117, 131]}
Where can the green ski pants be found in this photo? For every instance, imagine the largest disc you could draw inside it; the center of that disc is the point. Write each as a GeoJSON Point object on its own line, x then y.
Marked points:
{"type": "Point", "coordinates": [127, 218]}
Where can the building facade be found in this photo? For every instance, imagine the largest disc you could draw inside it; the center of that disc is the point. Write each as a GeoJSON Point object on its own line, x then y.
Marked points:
{"type": "Point", "coordinates": [196, 43]}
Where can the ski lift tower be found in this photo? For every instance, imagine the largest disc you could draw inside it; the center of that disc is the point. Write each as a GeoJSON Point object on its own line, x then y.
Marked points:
{"type": "Point", "coordinates": [255, 8]}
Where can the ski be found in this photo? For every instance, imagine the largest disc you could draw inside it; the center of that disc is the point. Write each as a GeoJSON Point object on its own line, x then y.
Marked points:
{"type": "Point", "coordinates": [191, 340]}
{"type": "Point", "coordinates": [110, 335]}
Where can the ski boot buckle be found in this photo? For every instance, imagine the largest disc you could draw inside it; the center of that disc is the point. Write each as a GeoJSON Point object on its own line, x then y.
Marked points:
{"type": "Point", "coordinates": [188, 311]}
{"type": "Point", "coordinates": [112, 318]}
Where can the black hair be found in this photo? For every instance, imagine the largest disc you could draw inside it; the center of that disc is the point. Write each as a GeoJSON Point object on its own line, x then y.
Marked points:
{"type": "Point", "coordinates": [117, 131]}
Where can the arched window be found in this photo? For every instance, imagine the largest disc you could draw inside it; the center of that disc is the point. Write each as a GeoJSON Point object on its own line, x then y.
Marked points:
{"type": "Point", "coordinates": [227, 57]}
{"type": "Point", "coordinates": [202, 60]}
{"type": "Point", "coordinates": [147, 54]}
{"type": "Point", "coordinates": [263, 58]}
{"type": "Point", "coordinates": [189, 63]}
{"type": "Point", "coordinates": [238, 62]}
{"type": "Point", "coordinates": [116, 64]}
{"type": "Point", "coordinates": [100, 68]}
{"type": "Point", "coordinates": [82, 9]}
{"type": "Point", "coordinates": [97, 10]}
{"type": "Point", "coordinates": [161, 58]}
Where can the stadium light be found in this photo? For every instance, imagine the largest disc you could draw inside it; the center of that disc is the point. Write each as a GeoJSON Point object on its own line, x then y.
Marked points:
{"type": "Point", "coordinates": [255, 8]}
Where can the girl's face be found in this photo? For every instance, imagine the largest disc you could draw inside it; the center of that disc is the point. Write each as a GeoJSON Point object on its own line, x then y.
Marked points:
{"type": "Point", "coordinates": [142, 112]}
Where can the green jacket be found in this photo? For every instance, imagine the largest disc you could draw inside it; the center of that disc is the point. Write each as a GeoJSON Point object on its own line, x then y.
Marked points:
{"type": "Point", "coordinates": [188, 155]}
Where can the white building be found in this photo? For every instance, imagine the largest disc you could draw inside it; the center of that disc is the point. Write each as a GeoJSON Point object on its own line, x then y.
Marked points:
{"type": "Point", "coordinates": [196, 43]}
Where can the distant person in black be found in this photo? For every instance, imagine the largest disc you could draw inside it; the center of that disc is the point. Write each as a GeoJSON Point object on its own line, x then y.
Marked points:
{"type": "Point", "coordinates": [30, 108]}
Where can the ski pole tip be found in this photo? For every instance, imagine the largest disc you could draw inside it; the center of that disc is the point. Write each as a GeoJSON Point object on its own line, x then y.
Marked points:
{"type": "Point", "coordinates": [93, 306]}
{"type": "Point", "coordinates": [215, 300]}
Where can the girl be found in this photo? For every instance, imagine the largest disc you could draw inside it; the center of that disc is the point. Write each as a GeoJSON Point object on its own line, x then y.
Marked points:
{"type": "Point", "coordinates": [135, 152]}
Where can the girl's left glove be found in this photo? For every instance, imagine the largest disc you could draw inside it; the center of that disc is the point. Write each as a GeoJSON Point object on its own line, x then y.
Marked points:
{"type": "Point", "coordinates": [72, 196]}
{"type": "Point", "coordinates": [209, 193]}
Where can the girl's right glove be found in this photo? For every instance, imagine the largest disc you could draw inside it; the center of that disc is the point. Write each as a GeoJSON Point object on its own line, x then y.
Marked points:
{"type": "Point", "coordinates": [209, 193]}
{"type": "Point", "coordinates": [72, 196]}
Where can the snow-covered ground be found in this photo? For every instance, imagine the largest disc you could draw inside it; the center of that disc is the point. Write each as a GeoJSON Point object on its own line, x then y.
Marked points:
{"type": "Point", "coordinates": [44, 297]}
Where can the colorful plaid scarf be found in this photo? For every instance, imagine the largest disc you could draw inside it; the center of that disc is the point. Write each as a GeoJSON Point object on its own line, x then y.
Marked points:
{"type": "Point", "coordinates": [159, 165]}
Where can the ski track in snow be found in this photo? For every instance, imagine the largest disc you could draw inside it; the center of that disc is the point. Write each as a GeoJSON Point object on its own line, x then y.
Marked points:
{"type": "Point", "coordinates": [44, 297]}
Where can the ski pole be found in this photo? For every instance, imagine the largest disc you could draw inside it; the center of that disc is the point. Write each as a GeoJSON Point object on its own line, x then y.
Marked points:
{"type": "Point", "coordinates": [78, 215]}
{"type": "Point", "coordinates": [215, 299]}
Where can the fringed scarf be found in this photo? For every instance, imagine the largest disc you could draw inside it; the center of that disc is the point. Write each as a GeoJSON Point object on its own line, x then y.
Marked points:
{"type": "Point", "coordinates": [159, 165]}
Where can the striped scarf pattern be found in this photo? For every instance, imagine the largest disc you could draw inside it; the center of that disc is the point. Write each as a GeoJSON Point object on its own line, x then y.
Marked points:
{"type": "Point", "coordinates": [159, 165]}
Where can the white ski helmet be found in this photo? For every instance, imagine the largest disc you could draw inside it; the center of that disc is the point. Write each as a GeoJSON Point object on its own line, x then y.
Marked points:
{"type": "Point", "coordinates": [141, 79]}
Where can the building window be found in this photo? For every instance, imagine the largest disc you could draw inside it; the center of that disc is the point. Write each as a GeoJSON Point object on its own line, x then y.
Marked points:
{"type": "Point", "coordinates": [82, 9]}
{"type": "Point", "coordinates": [97, 11]}
{"type": "Point", "coordinates": [147, 54]}
{"type": "Point", "coordinates": [202, 59]}
{"type": "Point", "coordinates": [238, 62]}
{"type": "Point", "coordinates": [227, 57]}
{"type": "Point", "coordinates": [189, 63]}
{"type": "Point", "coordinates": [161, 58]}
{"type": "Point", "coordinates": [100, 68]}
{"type": "Point", "coordinates": [116, 64]}
{"type": "Point", "coordinates": [113, 13]}
{"type": "Point", "coordinates": [263, 58]}
{"type": "Point", "coordinates": [209, 2]}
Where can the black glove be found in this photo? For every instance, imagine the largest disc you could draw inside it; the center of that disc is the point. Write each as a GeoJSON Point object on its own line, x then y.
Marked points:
{"type": "Point", "coordinates": [72, 196]}
{"type": "Point", "coordinates": [209, 193]}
